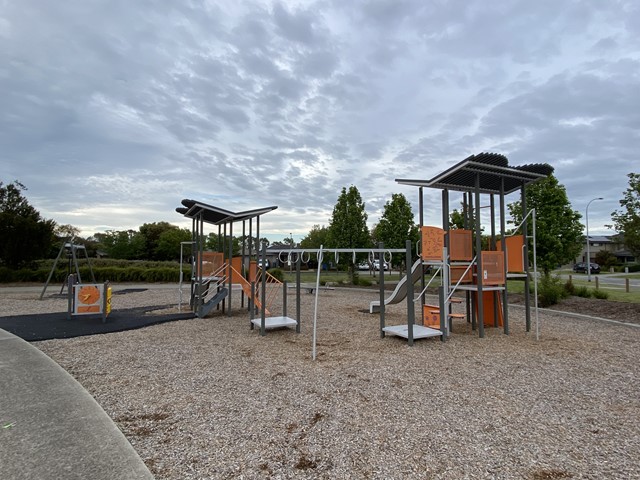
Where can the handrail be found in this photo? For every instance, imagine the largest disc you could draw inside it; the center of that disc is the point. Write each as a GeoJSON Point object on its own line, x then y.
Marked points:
{"type": "Point", "coordinates": [427, 286]}
{"type": "Point", "coordinates": [460, 280]}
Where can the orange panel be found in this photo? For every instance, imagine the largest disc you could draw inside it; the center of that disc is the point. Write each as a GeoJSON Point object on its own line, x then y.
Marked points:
{"type": "Point", "coordinates": [515, 253]}
{"type": "Point", "coordinates": [253, 271]}
{"type": "Point", "coordinates": [236, 273]}
{"type": "Point", "coordinates": [430, 319]}
{"type": "Point", "coordinates": [461, 245]}
{"type": "Point", "coordinates": [487, 308]}
{"type": "Point", "coordinates": [458, 271]}
{"type": "Point", "coordinates": [432, 243]}
{"type": "Point", "coordinates": [492, 268]}
{"type": "Point", "coordinates": [211, 261]}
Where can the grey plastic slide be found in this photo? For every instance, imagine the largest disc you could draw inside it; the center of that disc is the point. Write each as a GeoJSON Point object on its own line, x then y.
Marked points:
{"type": "Point", "coordinates": [400, 291]}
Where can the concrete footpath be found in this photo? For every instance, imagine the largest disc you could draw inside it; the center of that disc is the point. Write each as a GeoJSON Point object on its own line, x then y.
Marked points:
{"type": "Point", "coordinates": [51, 428]}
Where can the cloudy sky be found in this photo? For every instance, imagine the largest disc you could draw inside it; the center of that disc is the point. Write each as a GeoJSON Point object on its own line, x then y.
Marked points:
{"type": "Point", "coordinates": [114, 111]}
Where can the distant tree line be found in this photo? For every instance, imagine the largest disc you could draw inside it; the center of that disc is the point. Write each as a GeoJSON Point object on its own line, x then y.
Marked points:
{"type": "Point", "coordinates": [25, 236]}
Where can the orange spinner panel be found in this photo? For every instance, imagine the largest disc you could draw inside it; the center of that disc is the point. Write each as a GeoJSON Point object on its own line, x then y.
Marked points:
{"type": "Point", "coordinates": [432, 243]}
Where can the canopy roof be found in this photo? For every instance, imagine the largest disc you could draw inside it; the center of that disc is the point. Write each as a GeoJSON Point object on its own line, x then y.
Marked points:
{"type": "Point", "coordinates": [217, 215]}
{"type": "Point", "coordinates": [492, 168]}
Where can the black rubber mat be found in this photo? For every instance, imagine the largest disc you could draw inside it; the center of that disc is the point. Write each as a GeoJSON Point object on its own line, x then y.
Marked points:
{"type": "Point", "coordinates": [46, 326]}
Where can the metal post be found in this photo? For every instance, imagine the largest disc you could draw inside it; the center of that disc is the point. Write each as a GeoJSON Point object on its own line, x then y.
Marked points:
{"type": "Point", "coordinates": [284, 299]}
{"type": "Point", "coordinates": [298, 264]}
{"type": "Point", "coordinates": [421, 217]}
{"type": "Point", "coordinates": [443, 292]}
{"type": "Point", "coordinates": [503, 233]}
{"type": "Point", "coordinates": [535, 273]}
{"type": "Point", "coordinates": [243, 256]}
{"type": "Point", "coordinates": [492, 246]}
{"type": "Point", "coordinates": [264, 291]}
{"type": "Point", "coordinates": [410, 310]}
{"type": "Point", "coordinates": [229, 267]}
{"type": "Point", "coordinates": [443, 316]}
{"type": "Point", "coordinates": [479, 266]}
{"type": "Point", "coordinates": [252, 304]}
{"type": "Point", "coordinates": [381, 260]}
{"type": "Point", "coordinates": [527, 280]}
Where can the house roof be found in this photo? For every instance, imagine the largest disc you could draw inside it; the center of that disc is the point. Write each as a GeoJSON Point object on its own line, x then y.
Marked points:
{"type": "Point", "coordinates": [492, 168]}
{"type": "Point", "coordinates": [600, 239]}
{"type": "Point", "coordinates": [216, 215]}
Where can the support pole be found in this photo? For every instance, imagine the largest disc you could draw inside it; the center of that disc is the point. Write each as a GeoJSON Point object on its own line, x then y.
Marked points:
{"type": "Point", "coordinates": [298, 262]}
{"type": "Point", "coordinates": [479, 266]}
{"type": "Point", "coordinates": [410, 309]}
{"type": "Point", "coordinates": [492, 247]}
{"type": "Point", "coordinates": [284, 299]}
{"type": "Point", "coordinates": [381, 260]}
{"type": "Point", "coordinates": [252, 307]}
{"type": "Point", "coordinates": [263, 293]}
{"type": "Point", "coordinates": [527, 282]}
{"type": "Point", "coordinates": [229, 267]}
{"type": "Point", "coordinates": [503, 236]}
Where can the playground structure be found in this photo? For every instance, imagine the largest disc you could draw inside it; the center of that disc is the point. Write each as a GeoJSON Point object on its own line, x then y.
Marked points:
{"type": "Point", "coordinates": [215, 274]}
{"type": "Point", "coordinates": [72, 251]}
{"type": "Point", "coordinates": [458, 254]}
{"type": "Point", "coordinates": [88, 298]}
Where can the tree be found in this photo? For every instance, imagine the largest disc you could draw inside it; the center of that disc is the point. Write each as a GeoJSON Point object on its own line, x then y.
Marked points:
{"type": "Point", "coordinates": [348, 222]}
{"type": "Point", "coordinates": [220, 243]}
{"type": "Point", "coordinates": [24, 235]}
{"type": "Point", "coordinates": [396, 225]}
{"type": "Point", "coordinates": [66, 231]}
{"type": "Point", "coordinates": [606, 259]}
{"type": "Point", "coordinates": [122, 244]}
{"type": "Point", "coordinates": [348, 226]}
{"type": "Point", "coordinates": [317, 236]}
{"type": "Point", "coordinates": [627, 221]}
{"type": "Point", "coordinates": [151, 233]}
{"type": "Point", "coordinates": [169, 243]}
{"type": "Point", "coordinates": [558, 227]}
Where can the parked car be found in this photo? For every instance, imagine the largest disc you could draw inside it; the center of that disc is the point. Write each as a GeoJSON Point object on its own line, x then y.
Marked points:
{"type": "Point", "coordinates": [364, 266]}
{"type": "Point", "coordinates": [266, 262]}
{"type": "Point", "coordinates": [581, 268]}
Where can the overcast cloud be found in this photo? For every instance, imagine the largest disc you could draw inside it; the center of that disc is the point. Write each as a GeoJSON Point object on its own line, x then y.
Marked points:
{"type": "Point", "coordinates": [114, 111]}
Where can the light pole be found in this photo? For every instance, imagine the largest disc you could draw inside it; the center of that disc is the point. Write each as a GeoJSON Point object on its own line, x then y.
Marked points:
{"type": "Point", "coordinates": [588, 261]}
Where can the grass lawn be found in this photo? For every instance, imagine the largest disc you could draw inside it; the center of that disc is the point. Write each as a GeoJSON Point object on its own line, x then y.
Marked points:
{"type": "Point", "coordinates": [515, 286]}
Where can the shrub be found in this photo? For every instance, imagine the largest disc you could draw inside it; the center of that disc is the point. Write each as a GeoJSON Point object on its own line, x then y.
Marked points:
{"type": "Point", "coordinates": [365, 282]}
{"type": "Point", "coordinates": [583, 292]}
{"type": "Point", "coordinates": [600, 294]}
{"type": "Point", "coordinates": [550, 291]}
{"type": "Point", "coordinates": [569, 288]}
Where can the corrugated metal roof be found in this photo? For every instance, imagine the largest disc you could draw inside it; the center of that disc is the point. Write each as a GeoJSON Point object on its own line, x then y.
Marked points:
{"type": "Point", "coordinates": [491, 169]}
{"type": "Point", "coordinates": [217, 215]}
